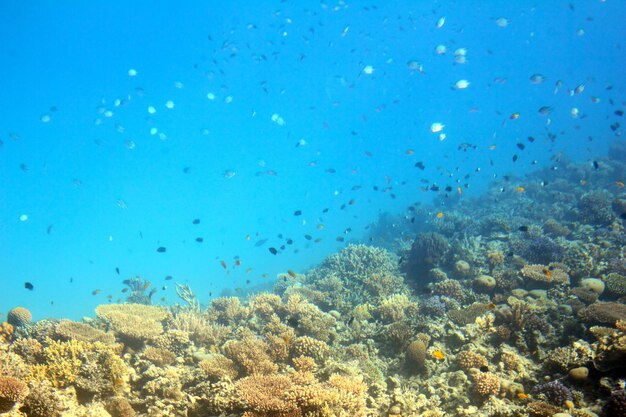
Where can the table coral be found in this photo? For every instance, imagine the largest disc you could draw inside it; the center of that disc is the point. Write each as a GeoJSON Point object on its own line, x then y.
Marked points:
{"type": "Point", "coordinates": [603, 312]}
{"type": "Point", "coordinates": [134, 323]}
{"type": "Point", "coordinates": [68, 330]}
{"type": "Point", "coordinates": [549, 274]}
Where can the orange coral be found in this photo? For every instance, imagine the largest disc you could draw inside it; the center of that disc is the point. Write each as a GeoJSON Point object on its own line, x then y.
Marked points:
{"type": "Point", "coordinates": [6, 330]}
{"type": "Point", "coordinates": [12, 391]}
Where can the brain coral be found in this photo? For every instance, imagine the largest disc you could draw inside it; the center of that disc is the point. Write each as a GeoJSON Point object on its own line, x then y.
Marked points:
{"type": "Point", "coordinates": [616, 284]}
{"type": "Point", "coordinates": [136, 323]}
{"type": "Point", "coordinates": [415, 354]}
{"type": "Point", "coordinates": [19, 316]}
{"type": "Point", "coordinates": [12, 391]}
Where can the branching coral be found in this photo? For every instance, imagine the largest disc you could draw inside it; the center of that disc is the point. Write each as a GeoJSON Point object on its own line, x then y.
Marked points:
{"type": "Point", "coordinates": [12, 391]}
{"type": "Point", "coordinates": [251, 354]}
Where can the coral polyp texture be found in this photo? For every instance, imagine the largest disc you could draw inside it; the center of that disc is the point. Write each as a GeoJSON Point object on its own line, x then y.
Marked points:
{"type": "Point", "coordinates": [489, 311]}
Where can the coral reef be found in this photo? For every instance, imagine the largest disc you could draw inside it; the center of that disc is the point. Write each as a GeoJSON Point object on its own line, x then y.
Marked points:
{"type": "Point", "coordinates": [491, 311]}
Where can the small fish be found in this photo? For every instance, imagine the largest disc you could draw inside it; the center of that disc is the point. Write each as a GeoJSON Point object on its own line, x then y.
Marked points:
{"type": "Point", "coordinates": [523, 228]}
{"type": "Point", "coordinates": [168, 278]}
{"type": "Point", "coordinates": [491, 306]}
{"type": "Point", "coordinates": [196, 221]}
{"type": "Point", "coordinates": [161, 249]}
{"type": "Point", "coordinates": [260, 242]}
{"type": "Point", "coordinates": [515, 157]}
{"type": "Point", "coordinates": [237, 263]}
{"type": "Point", "coordinates": [545, 110]}
{"type": "Point", "coordinates": [117, 270]}
{"type": "Point", "coordinates": [547, 272]}
{"type": "Point", "coordinates": [522, 396]}
{"type": "Point", "coordinates": [439, 355]}
{"type": "Point", "coordinates": [420, 165]}
{"type": "Point", "coordinates": [29, 286]}
{"type": "Point", "coordinates": [537, 78]}
{"type": "Point", "coordinates": [96, 292]}
{"type": "Point", "coordinates": [619, 183]}
{"type": "Point", "coordinates": [409, 152]}
{"type": "Point", "coordinates": [514, 116]}
{"type": "Point", "coordinates": [224, 265]}
{"type": "Point", "coordinates": [297, 213]}
{"type": "Point", "coordinates": [199, 239]}
{"type": "Point", "coordinates": [437, 127]}
{"type": "Point", "coordinates": [273, 250]}
{"type": "Point", "coordinates": [520, 189]}
{"type": "Point", "coordinates": [440, 215]}
{"type": "Point", "coordinates": [229, 173]}
{"type": "Point", "coordinates": [291, 273]}
{"type": "Point", "coordinates": [521, 146]}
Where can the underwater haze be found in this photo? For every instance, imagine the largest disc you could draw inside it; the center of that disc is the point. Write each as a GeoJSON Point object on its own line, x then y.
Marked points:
{"type": "Point", "coordinates": [396, 167]}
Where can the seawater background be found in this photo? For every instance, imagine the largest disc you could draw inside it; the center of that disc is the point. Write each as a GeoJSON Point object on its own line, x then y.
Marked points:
{"type": "Point", "coordinates": [301, 60]}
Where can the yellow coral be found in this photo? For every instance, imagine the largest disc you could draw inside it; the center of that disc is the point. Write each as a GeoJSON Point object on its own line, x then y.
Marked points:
{"type": "Point", "coordinates": [486, 383]}
{"type": "Point", "coordinates": [468, 359]}
{"type": "Point", "coordinates": [134, 322]}
{"type": "Point", "coordinates": [266, 393]}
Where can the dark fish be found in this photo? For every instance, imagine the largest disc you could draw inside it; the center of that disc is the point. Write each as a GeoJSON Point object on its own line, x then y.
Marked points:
{"type": "Point", "coordinates": [196, 221]}
{"type": "Point", "coordinates": [545, 110]}
{"type": "Point", "coordinates": [29, 286]}
{"type": "Point", "coordinates": [339, 239]}
{"type": "Point", "coordinates": [420, 165]}
{"type": "Point", "coordinates": [514, 158]}
{"type": "Point", "coordinates": [289, 241]}
{"type": "Point", "coordinates": [623, 216]}
{"type": "Point", "coordinates": [273, 250]}
{"type": "Point", "coordinates": [523, 228]}
{"type": "Point", "coordinates": [260, 242]}
{"type": "Point", "coordinates": [596, 165]}
{"type": "Point", "coordinates": [161, 249]}
{"type": "Point", "coordinates": [619, 113]}
{"type": "Point", "coordinates": [297, 212]}
{"type": "Point", "coordinates": [434, 187]}
{"type": "Point", "coordinates": [168, 278]}
{"type": "Point", "coordinates": [530, 139]}
{"type": "Point", "coordinates": [521, 146]}
{"type": "Point", "coordinates": [330, 170]}
{"type": "Point", "coordinates": [465, 147]}
{"type": "Point", "coordinates": [308, 237]}
{"type": "Point", "coordinates": [117, 270]}
{"type": "Point", "coordinates": [49, 229]}
{"type": "Point", "coordinates": [199, 239]}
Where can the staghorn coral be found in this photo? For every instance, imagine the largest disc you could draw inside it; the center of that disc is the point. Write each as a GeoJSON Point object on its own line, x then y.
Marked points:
{"type": "Point", "coordinates": [92, 367]}
{"type": "Point", "coordinates": [227, 311]}
{"type": "Point", "coordinates": [133, 323]}
{"type": "Point", "coordinates": [12, 391]}
{"type": "Point", "coordinates": [250, 354]}
{"type": "Point", "coordinates": [267, 394]}
{"type": "Point", "coordinates": [19, 317]}
{"type": "Point", "coordinates": [396, 308]}
{"type": "Point", "coordinates": [307, 346]}
{"type": "Point", "coordinates": [549, 274]}
{"type": "Point", "coordinates": [159, 356]}
{"type": "Point", "coordinates": [217, 366]}
{"type": "Point", "coordinates": [44, 401]}
{"type": "Point", "coordinates": [199, 328]}
{"type": "Point", "coordinates": [6, 331]}
{"type": "Point", "coordinates": [468, 359]}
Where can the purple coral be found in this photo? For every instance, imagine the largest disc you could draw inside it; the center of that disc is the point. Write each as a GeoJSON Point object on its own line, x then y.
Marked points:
{"type": "Point", "coordinates": [555, 392]}
{"type": "Point", "coordinates": [542, 250]}
{"type": "Point", "coordinates": [433, 306]}
{"type": "Point", "coordinates": [616, 405]}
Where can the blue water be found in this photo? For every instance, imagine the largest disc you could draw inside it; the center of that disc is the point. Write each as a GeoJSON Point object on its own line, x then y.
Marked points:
{"type": "Point", "coordinates": [92, 181]}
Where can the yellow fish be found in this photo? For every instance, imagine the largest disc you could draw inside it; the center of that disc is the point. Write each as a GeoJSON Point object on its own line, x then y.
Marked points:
{"type": "Point", "coordinates": [439, 355]}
